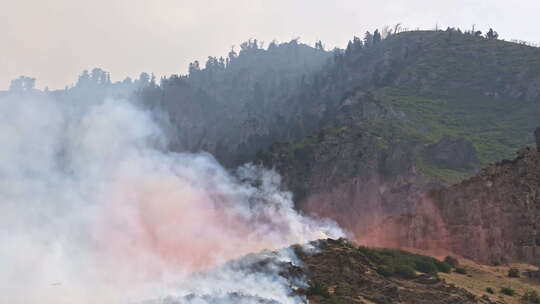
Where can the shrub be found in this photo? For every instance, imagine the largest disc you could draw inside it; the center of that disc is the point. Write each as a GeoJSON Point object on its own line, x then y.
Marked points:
{"type": "Point", "coordinates": [513, 272]}
{"type": "Point", "coordinates": [443, 266]}
{"type": "Point", "coordinates": [425, 267]}
{"type": "Point", "coordinates": [490, 290]}
{"type": "Point", "coordinates": [461, 270]}
{"type": "Point", "coordinates": [318, 289]}
{"type": "Point", "coordinates": [385, 271]}
{"type": "Point", "coordinates": [389, 260]}
{"type": "Point", "coordinates": [405, 271]}
{"type": "Point", "coordinates": [451, 261]}
{"type": "Point", "coordinates": [531, 297]}
{"type": "Point", "coordinates": [508, 291]}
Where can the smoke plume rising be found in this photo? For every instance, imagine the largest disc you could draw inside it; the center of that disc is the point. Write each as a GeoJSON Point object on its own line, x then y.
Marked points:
{"type": "Point", "coordinates": [94, 209]}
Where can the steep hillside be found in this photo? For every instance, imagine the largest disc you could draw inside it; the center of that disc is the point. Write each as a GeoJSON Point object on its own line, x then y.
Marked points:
{"type": "Point", "coordinates": [231, 107]}
{"type": "Point", "coordinates": [413, 119]}
{"type": "Point", "coordinates": [493, 217]}
{"type": "Point", "coordinates": [437, 85]}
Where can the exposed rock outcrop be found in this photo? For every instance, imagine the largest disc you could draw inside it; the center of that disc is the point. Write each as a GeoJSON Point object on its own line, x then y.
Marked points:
{"type": "Point", "coordinates": [375, 191]}
{"type": "Point", "coordinates": [494, 217]}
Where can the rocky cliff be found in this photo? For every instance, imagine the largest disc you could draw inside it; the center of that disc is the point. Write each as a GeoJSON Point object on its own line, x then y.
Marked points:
{"type": "Point", "coordinates": [364, 173]}
{"type": "Point", "coordinates": [493, 217]}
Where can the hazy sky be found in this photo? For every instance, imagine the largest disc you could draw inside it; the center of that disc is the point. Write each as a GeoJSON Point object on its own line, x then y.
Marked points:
{"type": "Point", "coordinates": [54, 40]}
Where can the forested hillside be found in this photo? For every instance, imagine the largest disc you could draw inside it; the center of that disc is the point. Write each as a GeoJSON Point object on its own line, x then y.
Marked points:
{"type": "Point", "coordinates": [236, 106]}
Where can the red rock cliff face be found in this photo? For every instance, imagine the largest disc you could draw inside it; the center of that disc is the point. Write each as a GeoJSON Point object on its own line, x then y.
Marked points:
{"type": "Point", "coordinates": [383, 213]}
{"type": "Point", "coordinates": [374, 193]}
{"type": "Point", "coordinates": [491, 218]}
{"type": "Point", "coordinates": [494, 216]}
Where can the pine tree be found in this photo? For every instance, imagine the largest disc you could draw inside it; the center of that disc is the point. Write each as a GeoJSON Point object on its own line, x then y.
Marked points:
{"type": "Point", "coordinates": [491, 34]}
{"type": "Point", "coordinates": [376, 37]}
{"type": "Point", "coordinates": [368, 39]}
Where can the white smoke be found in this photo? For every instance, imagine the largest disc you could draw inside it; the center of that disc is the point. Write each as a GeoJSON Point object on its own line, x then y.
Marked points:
{"type": "Point", "coordinates": [93, 209]}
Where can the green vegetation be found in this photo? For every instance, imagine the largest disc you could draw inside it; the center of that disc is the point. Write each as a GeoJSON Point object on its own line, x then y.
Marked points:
{"type": "Point", "coordinates": [490, 290]}
{"type": "Point", "coordinates": [496, 127]}
{"type": "Point", "coordinates": [426, 267]}
{"type": "Point", "coordinates": [508, 291]}
{"type": "Point", "coordinates": [461, 270]}
{"type": "Point", "coordinates": [442, 266]}
{"type": "Point", "coordinates": [318, 289]}
{"type": "Point", "coordinates": [431, 170]}
{"type": "Point", "coordinates": [405, 271]}
{"type": "Point", "coordinates": [385, 271]}
{"type": "Point", "coordinates": [451, 261]}
{"type": "Point", "coordinates": [404, 264]}
{"type": "Point", "coordinates": [455, 93]}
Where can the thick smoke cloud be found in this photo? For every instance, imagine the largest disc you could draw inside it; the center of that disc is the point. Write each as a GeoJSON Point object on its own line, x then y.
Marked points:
{"type": "Point", "coordinates": [93, 209]}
